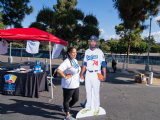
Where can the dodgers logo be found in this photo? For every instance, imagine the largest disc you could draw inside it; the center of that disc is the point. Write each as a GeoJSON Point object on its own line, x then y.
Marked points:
{"type": "Point", "coordinates": [4, 43]}
{"type": "Point", "coordinates": [91, 57]}
{"type": "Point", "coordinates": [10, 78]}
{"type": "Point", "coordinates": [33, 42]}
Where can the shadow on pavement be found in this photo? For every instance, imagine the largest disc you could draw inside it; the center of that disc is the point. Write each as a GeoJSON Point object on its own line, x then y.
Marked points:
{"type": "Point", "coordinates": [34, 108]}
{"type": "Point", "coordinates": [120, 78]}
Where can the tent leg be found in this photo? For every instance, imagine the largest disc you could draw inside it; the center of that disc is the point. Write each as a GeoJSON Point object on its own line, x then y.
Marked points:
{"type": "Point", "coordinates": [50, 69]}
{"type": "Point", "coordinates": [10, 59]}
{"type": "Point", "coordinates": [21, 55]}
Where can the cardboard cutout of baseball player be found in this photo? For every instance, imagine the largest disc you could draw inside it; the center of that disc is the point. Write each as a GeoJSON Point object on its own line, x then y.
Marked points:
{"type": "Point", "coordinates": [93, 60]}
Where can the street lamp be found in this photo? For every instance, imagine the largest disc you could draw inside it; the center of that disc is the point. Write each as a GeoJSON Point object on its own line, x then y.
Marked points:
{"type": "Point", "coordinates": [147, 65]}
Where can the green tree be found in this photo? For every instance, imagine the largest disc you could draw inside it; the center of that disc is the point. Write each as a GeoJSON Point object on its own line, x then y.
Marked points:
{"type": "Point", "coordinates": [141, 48]}
{"type": "Point", "coordinates": [155, 48]}
{"type": "Point", "coordinates": [134, 11]}
{"type": "Point", "coordinates": [152, 40]}
{"type": "Point", "coordinates": [38, 26]}
{"type": "Point", "coordinates": [14, 11]}
{"type": "Point", "coordinates": [122, 47]}
{"type": "Point", "coordinates": [63, 22]}
{"type": "Point", "coordinates": [105, 48]}
{"type": "Point", "coordinates": [2, 26]}
{"type": "Point", "coordinates": [113, 45]}
{"type": "Point", "coordinates": [102, 41]}
{"type": "Point", "coordinates": [89, 28]}
{"type": "Point", "coordinates": [126, 33]}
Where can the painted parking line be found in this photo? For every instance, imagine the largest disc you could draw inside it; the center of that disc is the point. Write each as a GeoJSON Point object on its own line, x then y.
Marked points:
{"type": "Point", "coordinates": [147, 72]}
{"type": "Point", "coordinates": [152, 85]}
{"type": "Point", "coordinates": [157, 72]}
{"type": "Point", "coordinates": [110, 70]}
{"type": "Point", "coordinates": [124, 71]}
{"type": "Point", "coordinates": [136, 71]}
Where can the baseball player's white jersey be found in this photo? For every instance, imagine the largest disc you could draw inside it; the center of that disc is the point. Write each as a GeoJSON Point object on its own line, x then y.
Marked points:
{"type": "Point", "coordinates": [93, 60]}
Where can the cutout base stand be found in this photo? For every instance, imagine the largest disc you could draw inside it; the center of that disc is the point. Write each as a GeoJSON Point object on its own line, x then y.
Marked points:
{"type": "Point", "coordinates": [91, 112]}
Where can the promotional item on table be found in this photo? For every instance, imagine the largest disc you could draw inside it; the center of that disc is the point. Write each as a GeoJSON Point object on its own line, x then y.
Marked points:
{"type": "Point", "coordinates": [37, 68]}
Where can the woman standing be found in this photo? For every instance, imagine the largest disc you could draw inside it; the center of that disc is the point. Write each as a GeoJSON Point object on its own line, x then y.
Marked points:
{"type": "Point", "coordinates": [114, 65]}
{"type": "Point", "coordinates": [69, 70]}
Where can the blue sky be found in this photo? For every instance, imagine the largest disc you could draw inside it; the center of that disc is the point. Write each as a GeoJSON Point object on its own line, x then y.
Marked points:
{"type": "Point", "coordinates": [104, 12]}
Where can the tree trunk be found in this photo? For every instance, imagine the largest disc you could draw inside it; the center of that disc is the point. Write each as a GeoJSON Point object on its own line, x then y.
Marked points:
{"type": "Point", "coordinates": [129, 41]}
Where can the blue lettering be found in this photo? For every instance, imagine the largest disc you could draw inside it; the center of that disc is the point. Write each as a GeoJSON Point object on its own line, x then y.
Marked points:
{"type": "Point", "coordinates": [8, 87]}
{"type": "Point", "coordinates": [91, 57]}
{"type": "Point", "coordinates": [32, 43]}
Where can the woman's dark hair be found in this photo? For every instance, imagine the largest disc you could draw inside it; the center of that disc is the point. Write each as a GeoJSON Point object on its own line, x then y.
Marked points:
{"type": "Point", "coordinates": [69, 50]}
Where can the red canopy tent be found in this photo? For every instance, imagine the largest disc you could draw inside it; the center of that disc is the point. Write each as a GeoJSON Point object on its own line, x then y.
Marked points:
{"type": "Point", "coordinates": [21, 35]}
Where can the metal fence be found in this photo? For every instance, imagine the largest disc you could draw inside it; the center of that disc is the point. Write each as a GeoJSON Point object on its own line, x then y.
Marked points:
{"type": "Point", "coordinates": [133, 59]}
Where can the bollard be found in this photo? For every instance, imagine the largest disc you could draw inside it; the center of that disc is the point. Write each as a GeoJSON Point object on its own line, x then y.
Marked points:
{"type": "Point", "coordinates": [46, 63]}
{"type": "Point", "coordinates": [123, 67]}
{"type": "Point", "coordinates": [150, 78]}
{"type": "Point", "coordinates": [10, 59]}
{"type": "Point", "coordinates": [28, 59]}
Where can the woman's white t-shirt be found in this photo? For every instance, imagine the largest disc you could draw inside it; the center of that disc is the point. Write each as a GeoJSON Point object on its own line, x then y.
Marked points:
{"type": "Point", "coordinates": [66, 67]}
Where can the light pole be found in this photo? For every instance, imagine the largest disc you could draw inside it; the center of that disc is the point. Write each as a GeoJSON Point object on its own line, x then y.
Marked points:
{"type": "Point", "coordinates": [147, 65]}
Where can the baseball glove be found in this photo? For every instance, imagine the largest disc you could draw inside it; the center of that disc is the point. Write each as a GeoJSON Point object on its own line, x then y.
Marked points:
{"type": "Point", "coordinates": [100, 77]}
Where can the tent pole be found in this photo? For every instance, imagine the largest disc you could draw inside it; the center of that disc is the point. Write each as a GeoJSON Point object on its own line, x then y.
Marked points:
{"type": "Point", "coordinates": [10, 59]}
{"type": "Point", "coordinates": [10, 50]}
{"type": "Point", "coordinates": [21, 55]}
{"type": "Point", "coordinates": [50, 68]}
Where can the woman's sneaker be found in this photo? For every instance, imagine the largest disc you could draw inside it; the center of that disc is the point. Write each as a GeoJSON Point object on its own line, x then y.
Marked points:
{"type": "Point", "coordinates": [69, 118]}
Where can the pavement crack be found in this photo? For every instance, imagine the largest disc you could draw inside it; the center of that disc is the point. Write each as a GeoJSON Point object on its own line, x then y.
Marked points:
{"type": "Point", "coordinates": [153, 102]}
{"type": "Point", "coordinates": [114, 115]}
{"type": "Point", "coordinates": [121, 93]}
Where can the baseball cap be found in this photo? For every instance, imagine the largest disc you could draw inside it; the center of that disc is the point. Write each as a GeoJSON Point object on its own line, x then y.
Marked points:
{"type": "Point", "coordinates": [93, 38]}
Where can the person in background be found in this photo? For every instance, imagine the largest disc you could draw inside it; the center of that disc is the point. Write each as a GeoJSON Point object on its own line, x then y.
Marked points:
{"type": "Point", "coordinates": [69, 70]}
{"type": "Point", "coordinates": [114, 65]}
